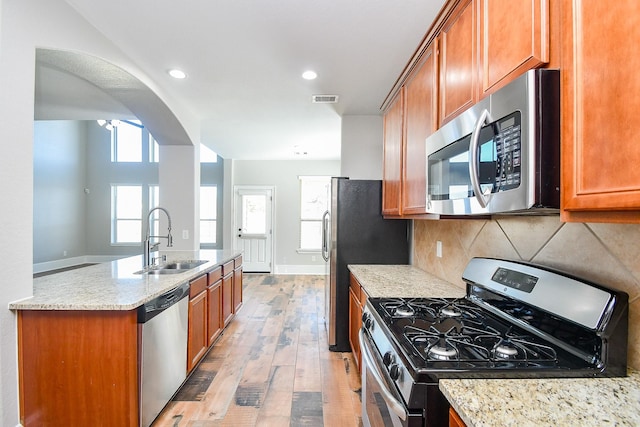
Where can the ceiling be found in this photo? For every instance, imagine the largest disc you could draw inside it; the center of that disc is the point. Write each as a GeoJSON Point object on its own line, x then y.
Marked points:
{"type": "Point", "coordinates": [244, 60]}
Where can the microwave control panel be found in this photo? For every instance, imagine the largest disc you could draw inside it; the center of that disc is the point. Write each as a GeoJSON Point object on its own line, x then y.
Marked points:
{"type": "Point", "coordinates": [508, 150]}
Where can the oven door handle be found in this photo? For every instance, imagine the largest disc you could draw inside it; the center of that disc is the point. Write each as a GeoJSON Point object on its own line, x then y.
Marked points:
{"type": "Point", "coordinates": [396, 406]}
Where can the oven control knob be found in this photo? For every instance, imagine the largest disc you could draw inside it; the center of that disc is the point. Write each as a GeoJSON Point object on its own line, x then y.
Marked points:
{"type": "Point", "coordinates": [388, 358]}
{"type": "Point", "coordinates": [394, 372]}
{"type": "Point", "coordinates": [367, 321]}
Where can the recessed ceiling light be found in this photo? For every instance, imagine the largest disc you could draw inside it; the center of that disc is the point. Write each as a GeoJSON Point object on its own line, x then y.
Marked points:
{"type": "Point", "coordinates": [309, 75]}
{"type": "Point", "coordinates": [177, 74]}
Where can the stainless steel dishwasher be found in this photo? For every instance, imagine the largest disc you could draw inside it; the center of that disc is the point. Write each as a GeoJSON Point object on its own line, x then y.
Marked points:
{"type": "Point", "coordinates": [164, 322]}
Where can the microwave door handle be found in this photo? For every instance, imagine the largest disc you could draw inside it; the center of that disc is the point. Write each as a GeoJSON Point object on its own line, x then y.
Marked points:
{"type": "Point", "coordinates": [485, 118]}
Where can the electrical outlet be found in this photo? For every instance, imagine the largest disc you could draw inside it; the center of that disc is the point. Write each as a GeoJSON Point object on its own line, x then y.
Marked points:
{"type": "Point", "coordinates": [64, 253]}
{"type": "Point", "coordinates": [185, 234]}
{"type": "Point", "coordinates": [439, 249]}
{"type": "Point", "coordinates": [313, 257]}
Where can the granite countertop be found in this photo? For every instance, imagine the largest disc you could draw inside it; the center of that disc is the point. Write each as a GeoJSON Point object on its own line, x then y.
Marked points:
{"type": "Point", "coordinates": [404, 281]}
{"type": "Point", "coordinates": [114, 285]}
{"type": "Point", "coordinates": [571, 402]}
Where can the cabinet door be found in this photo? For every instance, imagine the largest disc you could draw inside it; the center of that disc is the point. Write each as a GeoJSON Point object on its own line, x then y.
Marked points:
{"type": "Point", "coordinates": [237, 289]}
{"type": "Point", "coordinates": [355, 323]}
{"type": "Point", "coordinates": [458, 63]}
{"type": "Point", "coordinates": [514, 38]}
{"type": "Point", "coordinates": [392, 173]}
{"type": "Point", "coordinates": [600, 103]}
{"type": "Point", "coordinates": [214, 316]}
{"type": "Point", "coordinates": [454, 419]}
{"type": "Point", "coordinates": [421, 113]}
{"type": "Point", "coordinates": [198, 338]}
{"type": "Point", "coordinates": [227, 298]}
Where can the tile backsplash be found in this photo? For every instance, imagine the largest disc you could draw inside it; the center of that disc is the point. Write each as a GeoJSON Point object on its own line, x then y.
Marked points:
{"type": "Point", "coordinates": [604, 253]}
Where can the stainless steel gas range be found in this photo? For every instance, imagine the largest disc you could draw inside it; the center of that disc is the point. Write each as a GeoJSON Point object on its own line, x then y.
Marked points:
{"type": "Point", "coordinates": [517, 320]}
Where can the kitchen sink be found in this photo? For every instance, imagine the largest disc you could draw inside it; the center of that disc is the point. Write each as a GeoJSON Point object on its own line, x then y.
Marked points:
{"type": "Point", "coordinates": [174, 267]}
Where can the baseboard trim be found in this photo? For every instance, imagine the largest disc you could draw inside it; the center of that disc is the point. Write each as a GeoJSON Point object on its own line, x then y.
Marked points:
{"type": "Point", "coordinates": [300, 269]}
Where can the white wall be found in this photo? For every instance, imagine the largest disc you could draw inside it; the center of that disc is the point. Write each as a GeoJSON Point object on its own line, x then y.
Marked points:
{"type": "Point", "coordinates": [25, 24]}
{"type": "Point", "coordinates": [59, 198]}
{"type": "Point", "coordinates": [361, 152]}
{"type": "Point", "coordinates": [283, 175]}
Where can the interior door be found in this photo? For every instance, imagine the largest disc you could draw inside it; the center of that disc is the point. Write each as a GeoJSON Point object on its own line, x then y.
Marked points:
{"type": "Point", "coordinates": [254, 227]}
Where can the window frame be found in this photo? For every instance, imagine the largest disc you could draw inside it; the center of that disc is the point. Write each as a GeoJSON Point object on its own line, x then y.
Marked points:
{"type": "Point", "coordinates": [311, 220]}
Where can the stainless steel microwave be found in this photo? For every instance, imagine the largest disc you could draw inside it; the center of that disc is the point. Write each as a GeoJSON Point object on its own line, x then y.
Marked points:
{"type": "Point", "coordinates": [502, 155]}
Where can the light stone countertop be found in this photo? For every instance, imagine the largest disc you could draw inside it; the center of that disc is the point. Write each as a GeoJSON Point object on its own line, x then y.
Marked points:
{"type": "Point", "coordinates": [403, 281]}
{"type": "Point", "coordinates": [583, 402]}
{"type": "Point", "coordinates": [114, 285]}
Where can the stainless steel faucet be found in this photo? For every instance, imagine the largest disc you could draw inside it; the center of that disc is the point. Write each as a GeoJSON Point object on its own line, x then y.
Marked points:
{"type": "Point", "coordinates": [148, 247]}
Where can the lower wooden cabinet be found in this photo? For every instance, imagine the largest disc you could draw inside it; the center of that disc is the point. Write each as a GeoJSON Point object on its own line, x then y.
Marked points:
{"type": "Point", "coordinates": [454, 419]}
{"type": "Point", "coordinates": [227, 293]}
{"type": "Point", "coordinates": [237, 284]}
{"type": "Point", "coordinates": [198, 341]}
{"type": "Point", "coordinates": [357, 300]}
{"type": "Point", "coordinates": [78, 368]}
{"type": "Point", "coordinates": [214, 312]}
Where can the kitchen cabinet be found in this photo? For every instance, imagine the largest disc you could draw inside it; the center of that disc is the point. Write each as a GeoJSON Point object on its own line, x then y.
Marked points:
{"type": "Point", "coordinates": [514, 38]}
{"type": "Point", "coordinates": [78, 368]}
{"type": "Point", "coordinates": [454, 419]}
{"type": "Point", "coordinates": [214, 302]}
{"type": "Point", "coordinates": [421, 115]}
{"type": "Point", "coordinates": [458, 61]}
{"type": "Point", "coordinates": [237, 284]}
{"type": "Point", "coordinates": [357, 300]}
{"type": "Point", "coordinates": [392, 157]}
{"type": "Point", "coordinates": [227, 292]}
{"type": "Point", "coordinates": [600, 177]}
{"type": "Point", "coordinates": [198, 339]}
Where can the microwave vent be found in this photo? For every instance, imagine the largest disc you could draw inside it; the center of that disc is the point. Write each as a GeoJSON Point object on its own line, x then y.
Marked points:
{"type": "Point", "coordinates": [324, 99]}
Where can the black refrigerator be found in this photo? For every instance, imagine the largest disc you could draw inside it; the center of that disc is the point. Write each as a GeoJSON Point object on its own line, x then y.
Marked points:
{"type": "Point", "coordinates": [354, 232]}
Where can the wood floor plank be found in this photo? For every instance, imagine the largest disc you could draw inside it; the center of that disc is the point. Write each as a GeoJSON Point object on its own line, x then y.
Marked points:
{"type": "Point", "coordinates": [272, 366]}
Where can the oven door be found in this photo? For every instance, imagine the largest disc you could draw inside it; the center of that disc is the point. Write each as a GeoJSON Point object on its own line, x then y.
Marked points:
{"type": "Point", "coordinates": [382, 404]}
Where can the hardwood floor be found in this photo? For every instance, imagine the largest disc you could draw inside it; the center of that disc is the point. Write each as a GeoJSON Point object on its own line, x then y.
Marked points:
{"type": "Point", "coordinates": [272, 365]}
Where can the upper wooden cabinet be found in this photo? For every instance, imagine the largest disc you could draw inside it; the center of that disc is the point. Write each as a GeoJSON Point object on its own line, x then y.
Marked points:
{"type": "Point", "coordinates": [514, 38]}
{"type": "Point", "coordinates": [600, 103]}
{"type": "Point", "coordinates": [421, 107]}
{"type": "Point", "coordinates": [458, 61]}
{"type": "Point", "coordinates": [392, 157]}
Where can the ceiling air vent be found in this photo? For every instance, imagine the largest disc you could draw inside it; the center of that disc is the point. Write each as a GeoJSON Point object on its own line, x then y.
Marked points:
{"type": "Point", "coordinates": [324, 99]}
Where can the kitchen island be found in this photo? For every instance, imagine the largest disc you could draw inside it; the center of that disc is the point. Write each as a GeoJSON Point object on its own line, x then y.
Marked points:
{"type": "Point", "coordinates": [574, 402]}
{"type": "Point", "coordinates": [80, 340]}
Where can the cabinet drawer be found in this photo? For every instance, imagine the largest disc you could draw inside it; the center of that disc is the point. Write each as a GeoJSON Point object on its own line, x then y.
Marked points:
{"type": "Point", "coordinates": [215, 275]}
{"type": "Point", "coordinates": [197, 285]}
{"type": "Point", "coordinates": [237, 262]}
{"type": "Point", "coordinates": [227, 268]}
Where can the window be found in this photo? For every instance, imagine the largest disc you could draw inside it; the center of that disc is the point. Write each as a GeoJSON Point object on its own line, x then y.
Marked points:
{"type": "Point", "coordinates": [126, 141]}
{"type": "Point", "coordinates": [314, 202]}
{"type": "Point", "coordinates": [126, 214]}
{"type": "Point", "coordinates": [208, 214]}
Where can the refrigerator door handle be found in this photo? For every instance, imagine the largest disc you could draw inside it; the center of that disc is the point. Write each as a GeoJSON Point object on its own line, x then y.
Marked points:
{"type": "Point", "coordinates": [325, 236]}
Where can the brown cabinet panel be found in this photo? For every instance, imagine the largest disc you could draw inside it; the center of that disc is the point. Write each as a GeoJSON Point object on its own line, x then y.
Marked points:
{"type": "Point", "coordinates": [237, 289]}
{"type": "Point", "coordinates": [514, 38]}
{"type": "Point", "coordinates": [600, 154]}
{"type": "Point", "coordinates": [214, 314]}
{"type": "Point", "coordinates": [78, 368]}
{"type": "Point", "coordinates": [198, 341]}
{"type": "Point", "coordinates": [458, 61]}
{"type": "Point", "coordinates": [392, 156]}
{"type": "Point", "coordinates": [421, 118]}
{"type": "Point", "coordinates": [455, 420]}
{"type": "Point", "coordinates": [355, 323]}
{"type": "Point", "coordinates": [227, 298]}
